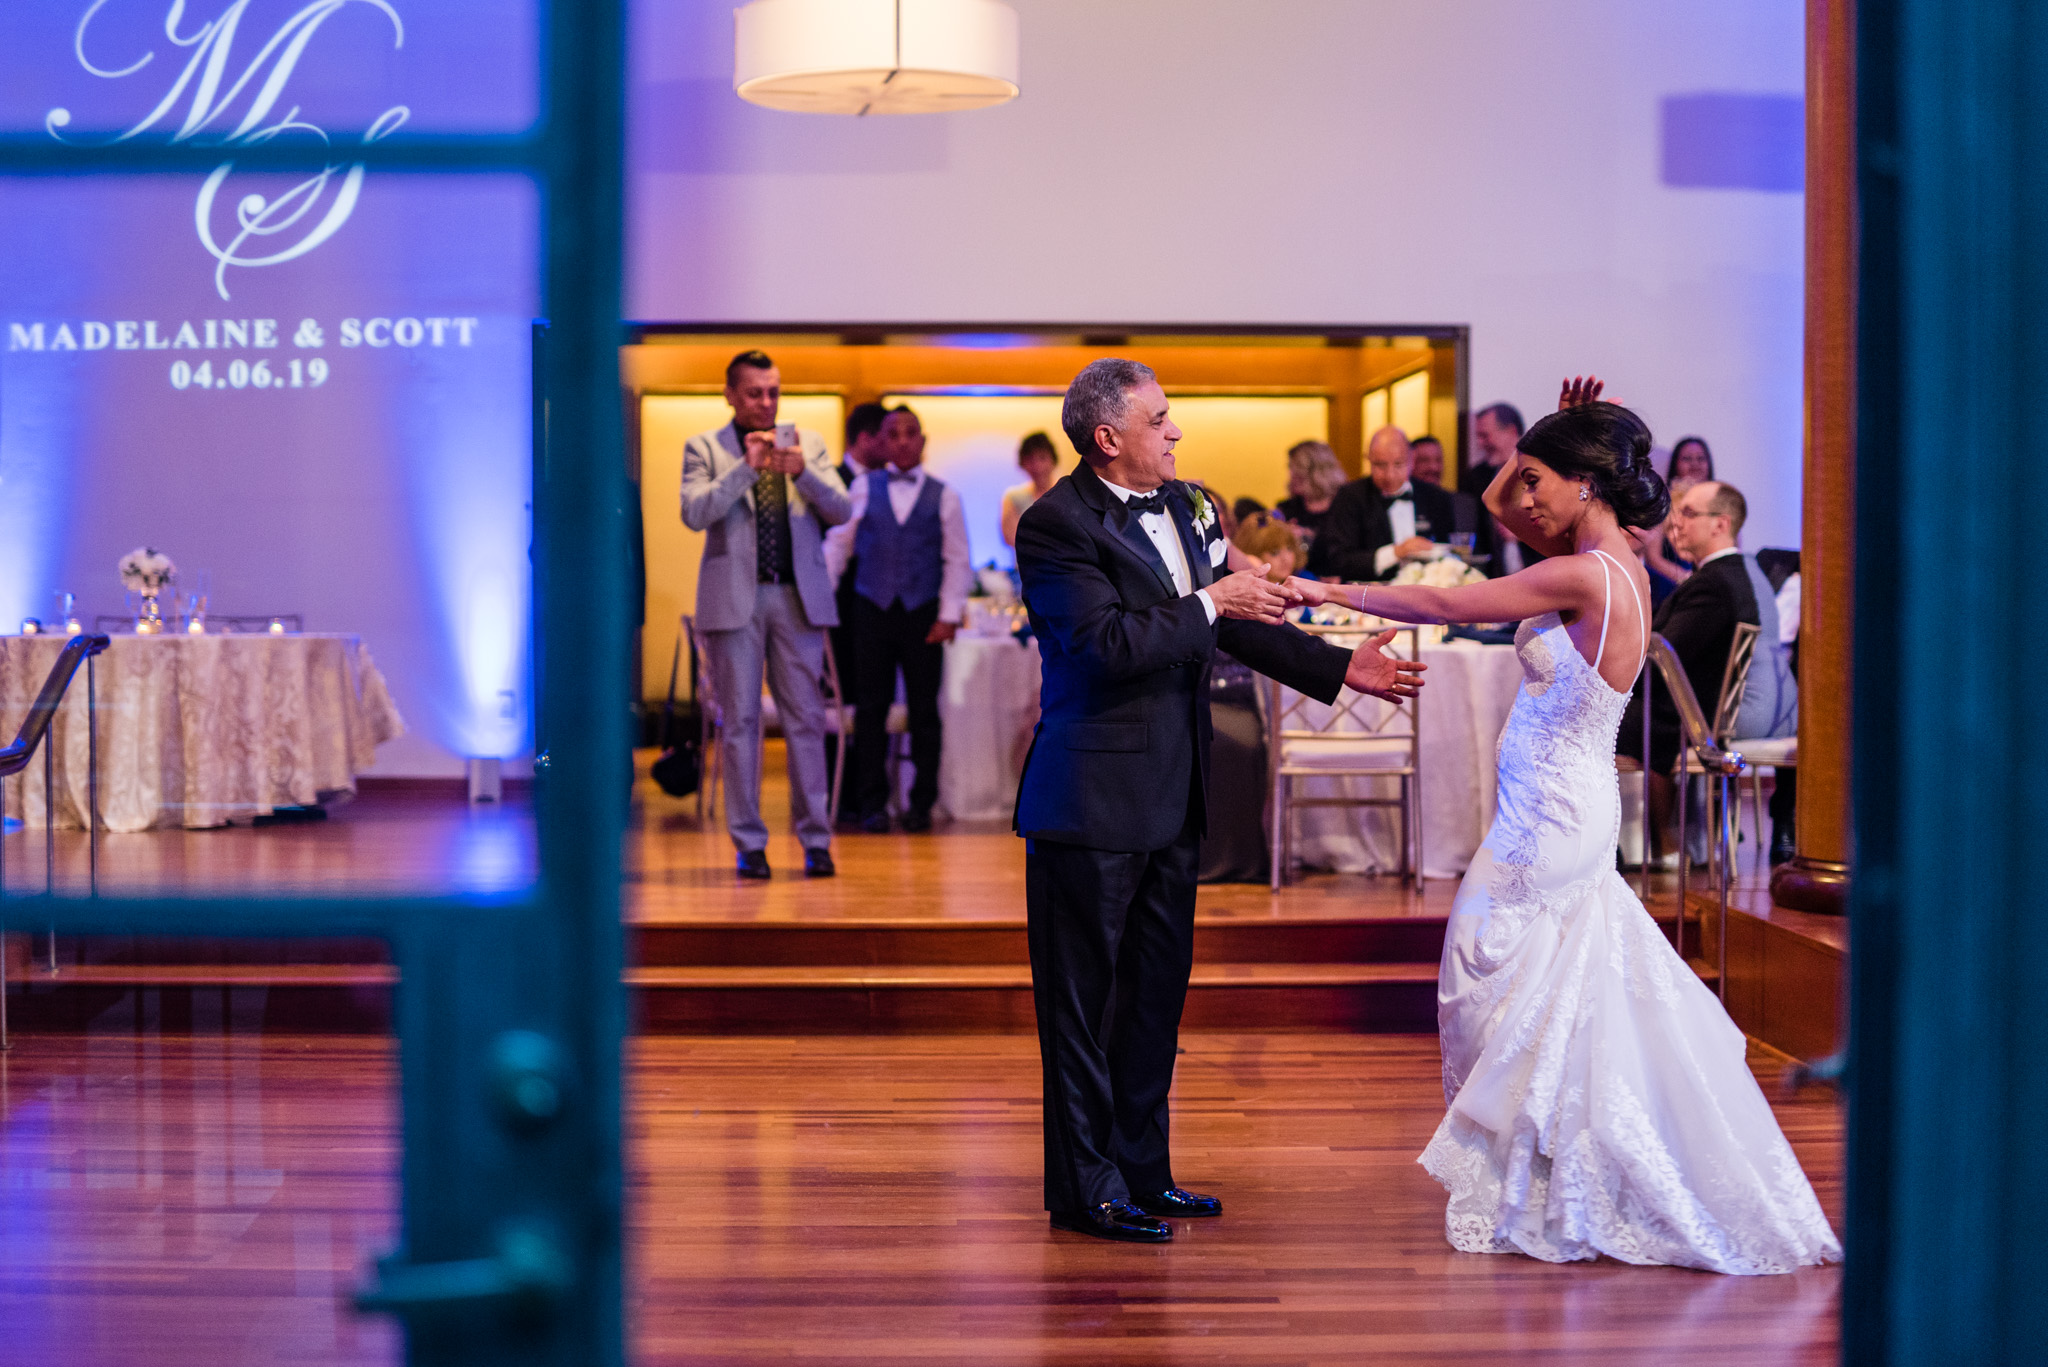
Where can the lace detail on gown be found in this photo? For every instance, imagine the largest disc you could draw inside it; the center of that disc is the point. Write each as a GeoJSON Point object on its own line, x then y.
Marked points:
{"type": "Point", "coordinates": [1599, 1098]}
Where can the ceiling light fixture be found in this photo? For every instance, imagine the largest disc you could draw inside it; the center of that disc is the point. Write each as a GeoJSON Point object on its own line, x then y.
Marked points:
{"type": "Point", "coordinates": [875, 56]}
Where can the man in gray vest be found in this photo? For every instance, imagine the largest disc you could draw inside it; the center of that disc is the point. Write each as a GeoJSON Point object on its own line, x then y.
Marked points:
{"type": "Point", "coordinates": [907, 541]}
{"type": "Point", "coordinates": [764, 597]}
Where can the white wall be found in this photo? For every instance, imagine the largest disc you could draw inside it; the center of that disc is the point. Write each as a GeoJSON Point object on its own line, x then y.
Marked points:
{"type": "Point", "coordinates": [1491, 162]}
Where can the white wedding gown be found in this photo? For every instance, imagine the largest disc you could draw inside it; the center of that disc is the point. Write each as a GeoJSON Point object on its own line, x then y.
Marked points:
{"type": "Point", "coordinates": [1600, 1102]}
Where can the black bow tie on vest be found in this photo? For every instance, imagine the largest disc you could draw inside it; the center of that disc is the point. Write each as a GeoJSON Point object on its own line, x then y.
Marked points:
{"type": "Point", "coordinates": [1405, 496]}
{"type": "Point", "coordinates": [903, 476]}
{"type": "Point", "coordinates": [1154, 502]}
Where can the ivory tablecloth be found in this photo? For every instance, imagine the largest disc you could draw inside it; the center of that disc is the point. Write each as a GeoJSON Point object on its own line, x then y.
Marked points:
{"type": "Point", "coordinates": [988, 704]}
{"type": "Point", "coordinates": [1469, 690]}
{"type": "Point", "coordinates": [199, 730]}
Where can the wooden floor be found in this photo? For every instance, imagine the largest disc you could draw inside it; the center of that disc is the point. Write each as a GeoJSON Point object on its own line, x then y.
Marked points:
{"type": "Point", "coordinates": [190, 1185]}
{"type": "Point", "coordinates": [209, 1198]}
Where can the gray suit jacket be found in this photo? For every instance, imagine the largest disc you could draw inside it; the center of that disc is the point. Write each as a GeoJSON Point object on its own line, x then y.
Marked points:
{"type": "Point", "coordinates": [718, 499]}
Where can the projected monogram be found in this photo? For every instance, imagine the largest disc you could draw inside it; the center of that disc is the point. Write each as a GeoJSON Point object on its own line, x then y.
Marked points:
{"type": "Point", "coordinates": [265, 232]}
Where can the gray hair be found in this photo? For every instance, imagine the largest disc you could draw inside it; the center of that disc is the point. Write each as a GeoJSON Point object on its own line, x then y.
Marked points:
{"type": "Point", "coordinates": [1099, 397]}
{"type": "Point", "coordinates": [1317, 466]}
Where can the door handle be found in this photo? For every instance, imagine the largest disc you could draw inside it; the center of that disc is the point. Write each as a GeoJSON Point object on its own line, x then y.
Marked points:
{"type": "Point", "coordinates": [529, 1269]}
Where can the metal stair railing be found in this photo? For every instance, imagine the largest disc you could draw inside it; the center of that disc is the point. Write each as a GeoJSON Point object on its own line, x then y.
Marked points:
{"type": "Point", "coordinates": [15, 758]}
{"type": "Point", "coordinates": [1726, 765]}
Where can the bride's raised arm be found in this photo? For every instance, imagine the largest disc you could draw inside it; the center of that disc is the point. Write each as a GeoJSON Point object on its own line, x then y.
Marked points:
{"type": "Point", "coordinates": [1561, 584]}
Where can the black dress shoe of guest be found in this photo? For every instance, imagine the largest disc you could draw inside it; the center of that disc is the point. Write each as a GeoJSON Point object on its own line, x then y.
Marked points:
{"type": "Point", "coordinates": [753, 863]}
{"type": "Point", "coordinates": [917, 821]}
{"type": "Point", "coordinates": [1782, 845]}
{"type": "Point", "coordinates": [818, 863]}
{"type": "Point", "coordinates": [876, 823]}
{"type": "Point", "coordinates": [1177, 1204]}
{"type": "Point", "coordinates": [1119, 1220]}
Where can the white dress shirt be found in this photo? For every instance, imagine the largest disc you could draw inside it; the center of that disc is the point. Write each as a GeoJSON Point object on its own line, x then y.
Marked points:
{"type": "Point", "coordinates": [1401, 516]}
{"type": "Point", "coordinates": [957, 570]}
{"type": "Point", "coordinates": [1165, 539]}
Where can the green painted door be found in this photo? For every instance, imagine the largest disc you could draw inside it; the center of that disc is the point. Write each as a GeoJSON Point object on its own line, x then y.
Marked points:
{"type": "Point", "coordinates": [509, 1010]}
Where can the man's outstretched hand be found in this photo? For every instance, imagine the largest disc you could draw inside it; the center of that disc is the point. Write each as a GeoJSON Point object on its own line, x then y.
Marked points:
{"type": "Point", "coordinates": [1249, 596]}
{"type": "Point", "coordinates": [1384, 676]}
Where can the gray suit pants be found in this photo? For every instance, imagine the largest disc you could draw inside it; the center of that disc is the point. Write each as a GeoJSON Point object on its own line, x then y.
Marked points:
{"type": "Point", "coordinates": [794, 653]}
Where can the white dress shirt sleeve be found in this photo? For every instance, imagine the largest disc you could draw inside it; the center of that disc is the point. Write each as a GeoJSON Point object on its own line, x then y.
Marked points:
{"type": "Point", "coordinates": [839, 540]}
{"type": "Point", "coordinates": [958, 574]}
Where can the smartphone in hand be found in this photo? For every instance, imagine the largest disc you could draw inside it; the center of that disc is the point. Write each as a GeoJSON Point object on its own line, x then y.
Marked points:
{"type": "Point", "coordinates": [785, 434]}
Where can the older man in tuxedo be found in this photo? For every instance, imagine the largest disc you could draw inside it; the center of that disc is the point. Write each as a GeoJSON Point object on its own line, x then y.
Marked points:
{"type": "Point", "coordinates": [1131, 587]}
{"type": "Point", "coordinates": [764, 599]}
{"type": "Point", "coordinates": [1379, 523]}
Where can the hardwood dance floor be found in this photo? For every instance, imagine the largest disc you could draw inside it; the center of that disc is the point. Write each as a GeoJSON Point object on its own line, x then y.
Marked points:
{"type": "Point", "coordinates": [208, 1199]}
{"type": "Point", "coordinates": [210, 1195]}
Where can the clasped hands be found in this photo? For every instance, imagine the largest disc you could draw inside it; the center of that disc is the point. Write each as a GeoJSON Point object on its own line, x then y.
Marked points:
{"type": "Point", "coordinates": [1249, 596]}
{"type": "Point", "coordinates": [764, 454]}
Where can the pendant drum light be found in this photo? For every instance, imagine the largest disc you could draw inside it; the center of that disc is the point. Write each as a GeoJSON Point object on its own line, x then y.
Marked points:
{"type": "Point", "coordinates": [875, 56]}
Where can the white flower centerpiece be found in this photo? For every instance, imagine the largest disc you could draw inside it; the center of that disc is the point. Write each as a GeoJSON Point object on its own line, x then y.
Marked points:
{"type": "Point", "coordinates": [147, 571]}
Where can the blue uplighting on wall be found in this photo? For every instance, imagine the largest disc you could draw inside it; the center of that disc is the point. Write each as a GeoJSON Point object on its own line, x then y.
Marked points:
{"type": "Point", "coordinates": [1721, 140]}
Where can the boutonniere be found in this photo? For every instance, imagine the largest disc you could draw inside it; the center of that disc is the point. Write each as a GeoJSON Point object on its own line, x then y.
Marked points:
{"type": "Point", "coordinates": [1200, 506]}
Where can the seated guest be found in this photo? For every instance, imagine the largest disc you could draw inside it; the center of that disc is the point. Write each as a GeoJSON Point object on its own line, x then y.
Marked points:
{"type": "Point", "coordinates": [1273, 540]}
{"type": "Point", "coordinates": [1245, 507]}
{"type": "Point", "coordinates": [1699, 619]}
{"type": "Point", "coordinates": [1690, 460]}
{"type": "Point", "coordinates": [764, 600]}
{"type": "Point", "coordinates": [1036, 458]}
{"type": "Point", "coordinates": [1429, 459]}
{"type": "Point", "coordinates": [1313, 479]}
{"type": "Point", "coordinates": [1377, 523]}
{"type": "Point", "coordinates": [1666, 568]}
{"type": "Point", "coordinates": [907, 539]}
{"type": "Point", "coordinates": [1495, 430]}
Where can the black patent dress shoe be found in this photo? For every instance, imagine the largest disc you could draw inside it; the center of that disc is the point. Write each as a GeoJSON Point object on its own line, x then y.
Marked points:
{"type": "Point", "coordinates": [818, 863]}
{"type": "Point", "coordinates": [917, 822]}
{"type": "Point", "coordinates": [753, 864]}
{"type": "Point", "coordinates": [1782, 846]}
{"type": "Point", "coordinates": [1177, 1204]}
{"type": "Point", "coordinates": [1118, 1220]}
{"type": "Point", "coordinates": [876, 823]}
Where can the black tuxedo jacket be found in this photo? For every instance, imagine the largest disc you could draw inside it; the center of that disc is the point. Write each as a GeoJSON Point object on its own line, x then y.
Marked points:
{"type": "Point", "coordinates": [1358, 525]}
{"type": "Point", "coordinates": [1122, 744]}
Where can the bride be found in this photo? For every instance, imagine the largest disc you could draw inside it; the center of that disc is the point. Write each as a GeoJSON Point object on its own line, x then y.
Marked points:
{"type": "Point", "coordinates": [1599, 1099]}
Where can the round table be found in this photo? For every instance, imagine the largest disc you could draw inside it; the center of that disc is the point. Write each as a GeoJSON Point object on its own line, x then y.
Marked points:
{"type": "Point", "coordinates": [988, 705]}
{"type": "Point", "coordinates": [1468, 692]}
{"type": "Point", "coordinates": [196, 731]}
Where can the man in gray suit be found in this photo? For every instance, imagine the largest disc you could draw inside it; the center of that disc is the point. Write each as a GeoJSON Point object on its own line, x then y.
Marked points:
{"type": "Point", "coordinates": [763, 596]}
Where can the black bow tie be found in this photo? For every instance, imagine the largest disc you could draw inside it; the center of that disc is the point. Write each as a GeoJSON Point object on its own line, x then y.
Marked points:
{"type": "Point", "coordinates": [903, 476]}
{"type": "Point", "coordinates": [1405, 496]}
{"type": "Point", "coordinates": [1154, 502]}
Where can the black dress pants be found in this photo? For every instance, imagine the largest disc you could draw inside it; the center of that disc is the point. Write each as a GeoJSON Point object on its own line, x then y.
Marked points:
{"type": "Point", "coordinates": [1112, 940]}
{"type": "Point", "coordinates": [884, 641]}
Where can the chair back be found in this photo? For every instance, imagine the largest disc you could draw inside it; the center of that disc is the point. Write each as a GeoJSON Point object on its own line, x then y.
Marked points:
{"type": "Point", "coordinates": [1735, 680]}
{"type": "Point", "coordinates": [701, 688]}
{"type": "Point", "coordinates": [1692, 718]}
{"type": "Point", "coordinates": [1354, 716]}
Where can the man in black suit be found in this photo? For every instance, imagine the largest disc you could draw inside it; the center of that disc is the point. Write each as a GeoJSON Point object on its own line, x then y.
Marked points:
{"type": "Point", "coordinates": [1378, 523]}
{"type": "Point", "coordinates": [865, 451]}
{"type": "Point", "coordinates": [1131, 587]}
{"type": "Point", "coordinates": [1699, 619]}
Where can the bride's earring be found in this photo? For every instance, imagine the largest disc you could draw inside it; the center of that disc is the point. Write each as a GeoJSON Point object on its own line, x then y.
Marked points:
{"type": "Point", "coordinates": [1584, 493]}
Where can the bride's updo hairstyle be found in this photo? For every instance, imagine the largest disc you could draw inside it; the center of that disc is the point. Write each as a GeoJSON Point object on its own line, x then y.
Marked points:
{"type": "Point", "coordinates": [1608, 447]}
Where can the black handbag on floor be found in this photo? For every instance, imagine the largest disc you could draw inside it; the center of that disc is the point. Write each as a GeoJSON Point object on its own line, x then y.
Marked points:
{"type": "Point", "coordinates": [680, 767]}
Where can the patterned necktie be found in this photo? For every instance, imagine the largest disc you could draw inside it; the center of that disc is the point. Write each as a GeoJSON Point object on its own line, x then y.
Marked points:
{"type": "Point", "coordinates": [771, 528]}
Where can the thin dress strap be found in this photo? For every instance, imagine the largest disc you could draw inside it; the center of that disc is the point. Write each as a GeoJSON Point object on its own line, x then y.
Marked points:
{"type": "Point", "coordinates": [1607, 594]}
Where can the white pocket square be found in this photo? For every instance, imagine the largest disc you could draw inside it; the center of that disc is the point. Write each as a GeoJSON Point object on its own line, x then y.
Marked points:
{"type": "Point", "coordinates": [1218, 549]}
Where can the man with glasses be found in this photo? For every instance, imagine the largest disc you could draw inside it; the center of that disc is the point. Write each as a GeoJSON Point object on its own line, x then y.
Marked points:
{"type": "Point", "coordinates": [1699, 619]}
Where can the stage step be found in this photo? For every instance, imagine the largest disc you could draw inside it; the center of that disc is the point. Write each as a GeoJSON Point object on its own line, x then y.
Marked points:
{"type": "Point", "coordinates": [1219, 940]}
{"type": "Point", "coordinates": [996, 998]}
